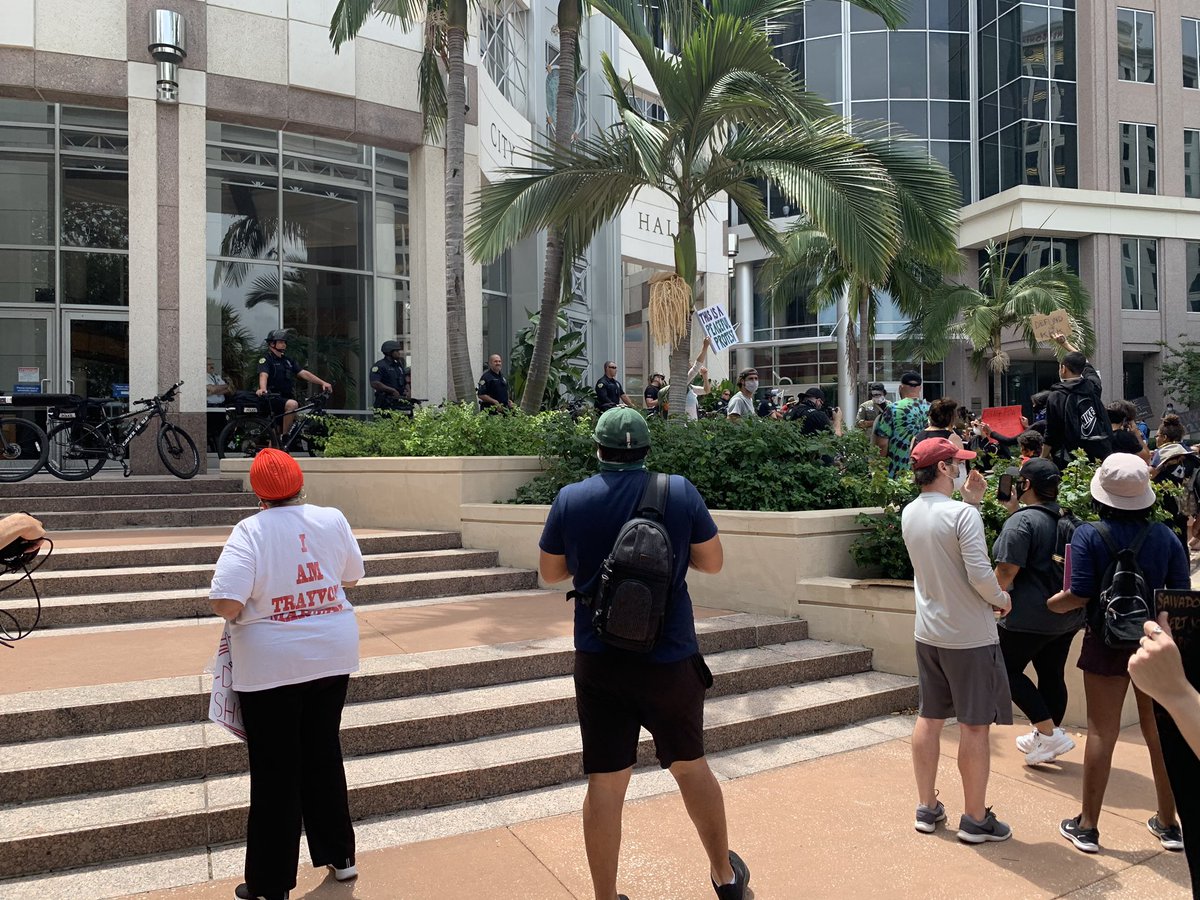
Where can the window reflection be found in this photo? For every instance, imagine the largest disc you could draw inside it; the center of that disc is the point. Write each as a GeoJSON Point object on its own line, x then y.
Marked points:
{"type": "Point", "coordinates": [26, 199]}
{"type": "Point", "coordinates": [327, 314]}
{"type": "Point", "coordinates": [323, 226]}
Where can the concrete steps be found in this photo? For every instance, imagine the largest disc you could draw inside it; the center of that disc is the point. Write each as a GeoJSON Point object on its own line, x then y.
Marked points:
{"type": "Point", "coordinates": [45, 506]}
{"type": "Point", "coordinates": [49, 486]}
{"type": "Point", "coordinates": [87, 777]}
{"type": "Point", "coordinates": [143, 518]}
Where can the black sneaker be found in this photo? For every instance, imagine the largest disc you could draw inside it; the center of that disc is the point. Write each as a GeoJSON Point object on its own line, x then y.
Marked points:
{"type": "Point", "coordinates": [741, 878]}
{"type": "Point", "coordinates": [1086, 839]}
{"type": "Point", "coordinates": [242, 892]}
{"type": "Point", "coordinates": [1171, 838]}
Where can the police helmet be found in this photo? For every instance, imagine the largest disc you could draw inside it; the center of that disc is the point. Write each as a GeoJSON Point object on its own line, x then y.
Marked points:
{"type": "Point", "coordinates": [389, 347]}
{"type": "Point", "coordinates": [279, 334]}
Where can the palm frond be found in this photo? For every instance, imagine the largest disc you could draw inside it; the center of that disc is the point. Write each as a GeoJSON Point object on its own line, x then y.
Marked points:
{"type": "Point", "coordinates": [349, 16]}
{"type": "Point", "coordinates": [431, 91]}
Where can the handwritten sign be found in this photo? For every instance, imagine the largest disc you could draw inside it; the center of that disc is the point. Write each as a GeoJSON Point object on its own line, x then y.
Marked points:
{"type": "Point", "coordinates": [1144, 411]}
{"type": "Point", "coordinates": [224, 708]}
{"type": "Point", "coordinates": [717, 326]}
{"type": "Point", "coordinates": [1005, 420]}
{"type": "Point", "coordinates": [1047, 324]}
{"type": "Point", "coordinates": [1183, 617]}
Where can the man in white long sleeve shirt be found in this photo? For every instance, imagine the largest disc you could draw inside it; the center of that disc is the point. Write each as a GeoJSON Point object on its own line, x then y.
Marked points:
{"type": "Point", "coordinates": [960, 669]}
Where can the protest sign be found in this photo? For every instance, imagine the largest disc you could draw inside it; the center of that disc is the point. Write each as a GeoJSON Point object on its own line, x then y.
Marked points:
{"type": "Point", "coordinates": [224, 707]}
{"type": "Point", "coordinates": [1143, 408]}
{"type": "Point", "coordinates": [1190, 421]}
{"type": "Point", "coordinates": [1045, 325]}
{"type": "Point", "coordinates": [1183, 618]}
{"type": "Point", "coordinates": [717, 326]}
{"type": "Point", "coordinates": [1005, 420]}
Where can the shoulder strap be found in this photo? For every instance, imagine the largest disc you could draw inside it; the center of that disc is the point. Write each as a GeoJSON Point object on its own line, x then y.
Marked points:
{"type": "Point", "coordinates": [1051, 513]}
{"type": "Point", "coordinates": [654, 495]}
{"type": "Point", "coordinates": [1136, 546]}
{"type": "Point", "coordinates": [1102, 530]}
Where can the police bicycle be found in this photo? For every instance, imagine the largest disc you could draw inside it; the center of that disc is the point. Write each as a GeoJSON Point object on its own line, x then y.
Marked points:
{"type": "Point", "coordinates": [23, 446]}
{"type": "Point", "coordinates": [245, 435]}
{"type": "Point", "coordinates": [79, 447]}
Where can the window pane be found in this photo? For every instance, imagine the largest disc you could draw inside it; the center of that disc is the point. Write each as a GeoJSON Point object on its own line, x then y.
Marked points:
{"type": "Point", "coordinates": [1128, 159]}
{"type": "Point", "coordinates": [822, 17]}
{"type": "Point", "coordinates": [1010, 103]}
{"type": "Point", "coordinates": [26, 138]}
{"type": "Point", "coordinates": [243, 306]}
{"type": "Point", "coordinates": [950, 121]}
{"type": "Point", "coordinates": [1035, 94]}
{"type": "Point", "coordinates": [950, 66]}
{"type": "Point", "coordinates": [1037, 153]}
{"type": "Point", "coordinates": [989, 166]}
{"type": "Point", "coordinates": [393, 314]}
{"type": "Point", "coordinates": [870, 110]}
{"type": "Point", "coordinates": [26, 199]}
{"type": "Point", "coordinates": [989, 115]}
{"type": "Point", "coordinates": [908, 65]}
{"type": "Point", "coordinates": [1009, 36]}
{"type": "Point", "coordinates": [26, 111]}
{"type": "Point", "coordinates": [1147, 160]}
{"type": "Point", "coordinates": [323, 147]}
{"type": "Point", "coordinates": [1145, 47]}
{"type": "Point", "coordinates": [1129, 274]}
{"type": "Point", "coordinates": [95, 203]}
{"type": "Point", "coordinates": [823, 67]}
{"type": "Point", "coordinates": [322, 226]}
{"type": "Point", "coordinates": [1148, 275]}
{"type": "Point", "coordinates": [1066, 156]}
{"type": "Point", "coordinates": [242, 217]}
{"type": "Point", "coordinates": [1192, 251]}
{"type": "Point", "coordinates": [1034, 21]}
{"type": "Point", "coordinates": [1062, 44]}
{"type": "Point", "coordinates": [987, 60]}
{"type": "Point", "coordinates": [911, 116]}
{"type": "Point", "coordinates": [328, 314]}
{"type": "Point", "coordinates": [952, 15]}
{"type": "Point", "coordinates": [861, 20]}
{"type": "Point", "coordinates": [391, 236]}
{"type": "Point", "coordinates": [1126, 57]}
{"type": "Point", "coordinates": [90, 117]}
{"type": "Point", "coordinates": [95, 278]}
{"type": "Point", "coordinates": [1191, 164]}
{"type": "Point", "coordinates": [1191, 53]}
{"type": "Point", "coordinates": [869, 75]}
{"type": "Point", "coordinates": [26, 276]}
{"type": "Point", "coordinates": [1011, 149]}
{"type": "Point", "coordinates": [1062, 101]}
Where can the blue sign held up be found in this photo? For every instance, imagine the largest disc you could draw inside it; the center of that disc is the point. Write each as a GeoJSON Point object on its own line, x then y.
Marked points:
{"type": "Point", "coordinates": [27, 389]}
{"type": "Point", "coordinates": [120, 391]}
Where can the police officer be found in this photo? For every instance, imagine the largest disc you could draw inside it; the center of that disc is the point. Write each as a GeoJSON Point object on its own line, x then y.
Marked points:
{"type": "Point", "coordinates": [276, 372]}
{"type": "Point", "coordinates": [493, 387]}
{"type": "Point", "coordinates": [609, 392]}
{"type": "Point", "coordinates": [388, 377]}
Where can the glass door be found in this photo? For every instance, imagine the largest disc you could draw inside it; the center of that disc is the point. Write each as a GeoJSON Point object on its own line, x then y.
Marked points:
{"type": "Point", "coordinates": [25, 359]}
{"type": "Point", "coordinates": [95, 357]}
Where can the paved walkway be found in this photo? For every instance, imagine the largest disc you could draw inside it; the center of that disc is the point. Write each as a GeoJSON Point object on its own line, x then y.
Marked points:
{"type": "Point", "coordinates": [836, 826]}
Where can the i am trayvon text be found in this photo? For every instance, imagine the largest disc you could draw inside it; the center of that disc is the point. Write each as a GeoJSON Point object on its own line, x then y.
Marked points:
{"type": "Point", "coordinates": [307, 602]}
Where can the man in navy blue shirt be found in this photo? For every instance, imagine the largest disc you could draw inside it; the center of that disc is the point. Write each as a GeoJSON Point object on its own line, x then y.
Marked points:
{"type": "Point", "coordinates": [617, 693]}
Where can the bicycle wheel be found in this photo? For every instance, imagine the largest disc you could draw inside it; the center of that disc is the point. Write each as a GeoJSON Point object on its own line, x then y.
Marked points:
{"type": "Point", "coordinates": [23, 448]}
{"type": "Point", "coordinates": [178, 451]}
{"type": "Point", "coordinates": [77, 451]}
{"type": "Point", "coordinates": [244, 437]}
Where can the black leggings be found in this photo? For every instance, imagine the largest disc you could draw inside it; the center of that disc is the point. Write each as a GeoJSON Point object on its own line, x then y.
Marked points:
{"type": "Point", "coordinates": [1183, 770]}
{"type": "Point", "coordinates": [1048, 653]}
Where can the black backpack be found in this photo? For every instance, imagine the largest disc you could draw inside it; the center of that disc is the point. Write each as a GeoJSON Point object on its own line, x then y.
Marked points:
{"type": "Point", "coordinates": [1067, 523]}
{"type": "Point", "coordinates": [1086, 425]}
{"type": "Point", "coordinates": [1126, 600]}
{"type": "Point", "coordinates": [630, 602]}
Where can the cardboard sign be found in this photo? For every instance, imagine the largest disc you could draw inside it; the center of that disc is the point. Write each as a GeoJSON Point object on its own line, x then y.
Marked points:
{"type": "Point", "coordinates": [1005, 420]}
{"type": "Point", "coordinates": [1045, 325]}
{"type": "Point", "coordinates": [1190, 421]}
{"type": "Point", "coordinates": [717, 326]}
{"type": "Point", "coordinates": [1143, 408]}
{"type": "Point", "coordinates": [1183, 618]}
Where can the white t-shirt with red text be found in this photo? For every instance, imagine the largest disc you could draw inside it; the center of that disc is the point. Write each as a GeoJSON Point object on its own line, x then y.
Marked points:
{"type": "Point", "coordinates": [287, 565]}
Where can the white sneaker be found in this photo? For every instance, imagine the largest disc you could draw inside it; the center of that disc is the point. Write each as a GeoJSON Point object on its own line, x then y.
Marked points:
{"type": "Point", "coordinates": [346, 874]}
{"type": "Point", "coordinates": [1047, 748]}
{"type": "Point", "coordinates": [1025, 742]}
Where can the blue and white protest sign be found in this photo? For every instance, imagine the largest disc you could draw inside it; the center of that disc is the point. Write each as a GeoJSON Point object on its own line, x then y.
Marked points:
{"type": "Point", "coordinates": [717, 326]}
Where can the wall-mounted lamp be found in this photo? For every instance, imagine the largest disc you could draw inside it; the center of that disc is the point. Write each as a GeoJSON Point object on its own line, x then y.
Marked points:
{"type": "Point", "coordinates": [168, 47]}
{"type": "Point", "coordinates": [731, 245]}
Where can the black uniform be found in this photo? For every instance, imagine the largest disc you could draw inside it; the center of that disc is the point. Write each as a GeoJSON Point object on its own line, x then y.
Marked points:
{"type": "Point", "coordinates": [494, 386]}
{"type": "Point", "coordinates": [608, 393]}
{"type": "Point", "coordinates": [281, 373]}
{"type": "Point", "coordinates": [391, 374]}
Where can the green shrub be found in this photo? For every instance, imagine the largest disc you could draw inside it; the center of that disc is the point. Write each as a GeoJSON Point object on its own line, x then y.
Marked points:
{"type": "Point", "coordinates": [455, 430]}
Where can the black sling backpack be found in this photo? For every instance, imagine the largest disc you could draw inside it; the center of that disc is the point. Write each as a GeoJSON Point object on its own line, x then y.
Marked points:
{"type": "Point", "coordinates": [1126, 601]}
{"type": "Point", "coordinates": [630, 602]}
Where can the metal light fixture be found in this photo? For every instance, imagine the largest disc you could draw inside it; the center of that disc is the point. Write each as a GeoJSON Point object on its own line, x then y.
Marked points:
{"type": "Point", "coordinates": [168, 47]}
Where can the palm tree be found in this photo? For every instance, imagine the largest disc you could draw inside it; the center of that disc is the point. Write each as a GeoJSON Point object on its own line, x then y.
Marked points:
{"type": "Point", "coordinates": [443, 106]}
{"type": "Point", "coordinates": [734, 113]}
{"type": "Point", "coordinates": [982, 316]}
{"type": "Point", "coordinates": [928, 201]}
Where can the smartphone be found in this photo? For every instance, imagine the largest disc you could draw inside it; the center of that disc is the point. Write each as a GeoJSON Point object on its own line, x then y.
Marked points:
{"type": "Point", "coordinates": [1004, 489]}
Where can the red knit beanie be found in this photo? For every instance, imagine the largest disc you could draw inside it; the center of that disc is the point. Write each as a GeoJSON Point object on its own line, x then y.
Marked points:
{"type": "Point", "coordinates": [274, 475]}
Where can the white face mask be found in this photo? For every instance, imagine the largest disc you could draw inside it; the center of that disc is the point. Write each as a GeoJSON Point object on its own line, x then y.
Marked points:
{"type": "Point", "coordinates": [961, 478]}
{"type": "Point", "coordinates": [751, 384]}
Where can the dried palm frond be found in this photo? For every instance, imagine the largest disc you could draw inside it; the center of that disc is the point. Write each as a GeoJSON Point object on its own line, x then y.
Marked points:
{"type": "Point", "coordinates": [670, 308]}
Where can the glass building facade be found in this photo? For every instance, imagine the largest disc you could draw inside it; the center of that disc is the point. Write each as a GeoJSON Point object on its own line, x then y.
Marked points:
{"type": "Point", "coordinates": [311, 235]}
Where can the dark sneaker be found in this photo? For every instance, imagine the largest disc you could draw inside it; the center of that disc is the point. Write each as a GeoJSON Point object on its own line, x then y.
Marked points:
{"type": "Point", "coordinates": [1171, 838]}
{"type": "Point", "coordinates": [990, 829]}
{"type": "Point", "coordinates": [242, 892]}
{"type": "Point", "coordinates": [927, 818]}
{"type": "Point", "coordinates": [741, 878]}
{"type": "Point", "coordinates": [1086, 839]}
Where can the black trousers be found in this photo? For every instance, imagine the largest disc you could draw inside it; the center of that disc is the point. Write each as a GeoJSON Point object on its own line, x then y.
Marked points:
{"type": "Point", "coordinates": [296, 777]}
{"type": "Point", "coordinates": [1183, 771]}
{"type": "Point", "coordinates": [1048, 653]}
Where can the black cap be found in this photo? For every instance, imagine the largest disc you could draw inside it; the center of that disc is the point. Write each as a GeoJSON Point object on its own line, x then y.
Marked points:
{"type": "Point", "coordinates": [876, 388]}
{"type": "Point", "coordinates": [911, 379]}
{"type": "Point", "coordinates": [815, 392]}
{"type": "Point", "coordinates": [1040, 473]}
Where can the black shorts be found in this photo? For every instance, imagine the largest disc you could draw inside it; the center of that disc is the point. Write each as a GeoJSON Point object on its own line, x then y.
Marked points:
{"type": "Point", "coordinates": [1097, 658]}
{"type": "Point", "coordinates": [617, 695]}
{"type": "Point", "coordinates": [276, 404]}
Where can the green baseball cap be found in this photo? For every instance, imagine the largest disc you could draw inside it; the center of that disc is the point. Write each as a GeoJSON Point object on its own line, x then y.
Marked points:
{"type": "Point", "coordinates": [622, 428]}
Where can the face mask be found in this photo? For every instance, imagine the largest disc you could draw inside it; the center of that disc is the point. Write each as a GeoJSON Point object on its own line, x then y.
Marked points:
{"type": "Point", "coordinates": [961, 478]}
{"type": "Point", "coordinates": [751, 384]}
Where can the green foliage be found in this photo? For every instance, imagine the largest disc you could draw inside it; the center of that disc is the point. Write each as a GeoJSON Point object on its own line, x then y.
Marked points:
{"type": "Point", "coordinates": [708, 402]}
{"type": "Point", "coordinates": [759, 464]}
{"type": "Point", "coordinates": [455, 430]}
{"type": "Point", "coordinates": [1181, 372]}
{"type": "Point", "coordinates": [564, 381]}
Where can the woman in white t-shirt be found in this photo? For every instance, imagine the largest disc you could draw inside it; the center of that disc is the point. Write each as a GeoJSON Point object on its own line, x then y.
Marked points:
{"type": "Point", "coordinates": [294, 642]}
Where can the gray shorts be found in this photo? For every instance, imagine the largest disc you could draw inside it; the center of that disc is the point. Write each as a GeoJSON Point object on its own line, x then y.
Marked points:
{"type": "Point", "coordinates": [970, 685]}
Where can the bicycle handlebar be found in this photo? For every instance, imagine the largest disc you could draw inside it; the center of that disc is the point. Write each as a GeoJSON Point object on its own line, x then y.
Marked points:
{"type": "Point", "coordinates": [165, 397]}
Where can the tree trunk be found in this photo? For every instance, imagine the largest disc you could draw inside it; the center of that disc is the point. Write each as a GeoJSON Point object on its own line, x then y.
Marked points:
{"type": "Point", "coordinates": [864, 349]}
{"type": "Point", "coordinates": [461, 372]}
{"type": "Point", "coordinates": [557, 268]}
{"type": "Point", "coordinates": [685, 267]}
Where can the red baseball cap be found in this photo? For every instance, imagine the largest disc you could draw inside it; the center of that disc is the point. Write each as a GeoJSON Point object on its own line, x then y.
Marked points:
{"type": "Point", "coordinates": [932, 451]}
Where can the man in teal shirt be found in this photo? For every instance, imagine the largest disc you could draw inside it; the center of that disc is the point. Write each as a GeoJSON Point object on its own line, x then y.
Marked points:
{"type": "Point", "coordinates": [899, 422]}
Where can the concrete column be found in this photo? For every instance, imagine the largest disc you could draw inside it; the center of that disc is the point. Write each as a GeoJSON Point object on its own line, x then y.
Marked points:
{"type": "Point", "coordinates": [428, 223]}
{"type": "Point", "coordinates": [192, 311]}
{"type": "Point", "coordinates": [845, 390]}
{"type": "Point", "coordinates": [743, 274]}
